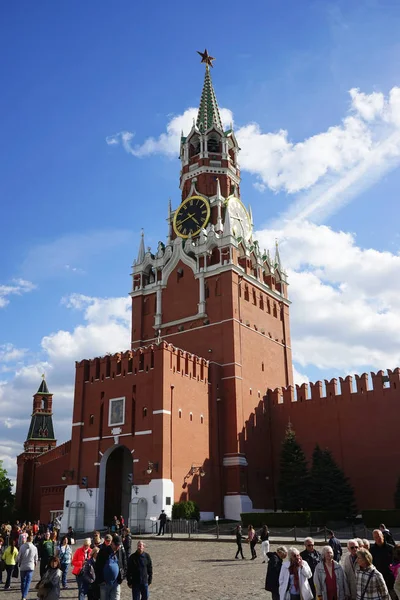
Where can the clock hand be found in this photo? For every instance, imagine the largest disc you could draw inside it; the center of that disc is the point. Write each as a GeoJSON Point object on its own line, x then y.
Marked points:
{"type": "Point", "coordinates": [195, 220]}
{"type": "Point", "coordinates": [188, 217]}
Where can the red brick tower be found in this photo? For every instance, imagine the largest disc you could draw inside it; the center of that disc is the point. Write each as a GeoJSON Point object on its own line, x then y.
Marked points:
{"type": "Point", "coordinates": [211, 291]}
{"type": "Point", "coordinates": [40, 439]}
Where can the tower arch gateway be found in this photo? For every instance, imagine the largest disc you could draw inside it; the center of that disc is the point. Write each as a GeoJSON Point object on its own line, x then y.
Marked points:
{"type": "Point", "coordinates": [115, 484]}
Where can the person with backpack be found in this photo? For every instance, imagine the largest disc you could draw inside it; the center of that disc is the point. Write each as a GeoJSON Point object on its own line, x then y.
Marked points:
{"type": "Point", "coordinates": [110, 569]}
{"type": "Point", "coordinates": [81, 568]}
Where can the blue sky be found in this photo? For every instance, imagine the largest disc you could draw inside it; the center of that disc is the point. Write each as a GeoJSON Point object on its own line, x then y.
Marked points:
{"type": "Point", "coordinates": [75, 75]}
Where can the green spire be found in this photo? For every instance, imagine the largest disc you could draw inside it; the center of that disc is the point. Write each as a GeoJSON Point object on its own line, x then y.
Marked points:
{"type": "Point", "coordinates": [208, 114]}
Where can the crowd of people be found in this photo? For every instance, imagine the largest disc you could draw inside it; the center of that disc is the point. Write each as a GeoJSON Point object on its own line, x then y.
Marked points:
{"type": "Point", "coordinates": [99, 565]}
{"type": "Point", "coordinates": [369, 571]}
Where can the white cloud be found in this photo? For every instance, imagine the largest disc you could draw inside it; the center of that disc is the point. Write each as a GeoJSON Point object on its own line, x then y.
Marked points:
{"type": "Point", "coordinates": [16, 288]}
{"type": "Point", "coordinates": [106, 328]}
{"type": "Point", "coordinates": [324, 171]}
{"type": "Point", "coordinates": [9, 353]}
{"type": "Point", "coordinates": [166, 143]}
{"type": "Point", "coordinates": [299, 378]}
{"type": "Point", "coordinates": [345, 311]}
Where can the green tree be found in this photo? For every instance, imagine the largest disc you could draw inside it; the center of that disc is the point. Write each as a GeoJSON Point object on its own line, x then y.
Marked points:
{"type": "Point", "coordinates": [330, 488]}
{"type": "Point", "coordinates": [185, 510]}
{"type": "Point", "coordinates": [294, 477]}
{"type": "Point", "coordinates": [6, 495]}
{"type": "Point", "coordinates": [397, 495]}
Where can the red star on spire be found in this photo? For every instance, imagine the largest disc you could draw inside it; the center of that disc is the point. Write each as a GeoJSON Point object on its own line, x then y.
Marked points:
{"type": "Point", "coordinates": [206, 58]}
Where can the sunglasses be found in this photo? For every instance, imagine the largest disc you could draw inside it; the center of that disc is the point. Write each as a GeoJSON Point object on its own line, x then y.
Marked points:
{"type": "Point", "coordinates": [353, 547]}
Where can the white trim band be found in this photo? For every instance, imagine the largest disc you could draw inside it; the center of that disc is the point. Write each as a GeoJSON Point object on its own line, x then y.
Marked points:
{"type": "Point", "coordinates": [92, 439]}
{"type": "Point", "coordinates": [161, 412]}
{"type": "Point", "coordinates": [147, 432]}
{"type": "Point", "coordinates": [234, 461]}
{"type": "Point", "coordinates": [77, 424]}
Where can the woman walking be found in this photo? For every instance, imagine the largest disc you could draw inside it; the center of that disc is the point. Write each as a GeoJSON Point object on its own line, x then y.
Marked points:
{"type": "Point", "coordinates": [264, 536]}
{"type": "Point", "coordinates": [294, 577]}
{"type": "Point", "coordinates": [252, 539]}
{"type": "Point", "coordinates": [81, 555]}
{"type": "Point", "coordinates": [239, 539]}
{"type": "Point", "coordinates": [10, 558]}
{"type": "Point", "coordinates": [65, 556]}
{"type": "Point", "coordinates": [275, 560]}
{"type": "Point", "coordinates": [329, 578]}
{"type": "Point", "coordinates": [369, 581]}
{"type": "Point", "coordinates": [51, 580]}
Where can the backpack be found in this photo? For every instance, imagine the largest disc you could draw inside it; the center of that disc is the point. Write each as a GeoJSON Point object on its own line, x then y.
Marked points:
{"type": "Point", "coordinates": [87, 572]}
{"type": "Point", "coordinates": [255, 538]}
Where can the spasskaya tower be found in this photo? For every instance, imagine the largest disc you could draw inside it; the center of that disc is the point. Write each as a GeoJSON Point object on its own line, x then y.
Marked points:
{"type": "Point", "coordinates": [211, 291]}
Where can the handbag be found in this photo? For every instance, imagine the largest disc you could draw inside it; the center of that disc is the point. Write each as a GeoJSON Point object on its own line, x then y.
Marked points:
{"type": "Point", "coordinates": [2, 565]}
{"type": "Point", "coordinates": [15, 572]}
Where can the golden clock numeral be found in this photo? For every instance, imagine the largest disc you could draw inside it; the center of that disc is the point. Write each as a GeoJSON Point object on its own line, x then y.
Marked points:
{"type": "Point", "coordinates": [184, 231]}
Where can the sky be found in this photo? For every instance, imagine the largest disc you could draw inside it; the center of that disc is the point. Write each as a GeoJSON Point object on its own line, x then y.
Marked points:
{"type": "Point", "coordinates": [94, 96]}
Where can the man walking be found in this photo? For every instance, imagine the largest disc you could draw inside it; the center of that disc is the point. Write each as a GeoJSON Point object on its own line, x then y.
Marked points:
{"type": "Point", "coordinates": [350, 567]}
{"type": "Point", "coordinates": [312, 557]}
{"type": "Point", "coordinates": [382, 557]}
{"type": "Point", "coordinates": [163, 519]}
{"type": "Point", "coordinates": [335, 545]}
{"type": "Point", "coordinates": [140, 573]}
{"type": "Point", "coordinates": [110, 569]}
{"type": "Point", "coordinates": [239, 538]}
{"type": "Point", "coordinates": [27, 560]}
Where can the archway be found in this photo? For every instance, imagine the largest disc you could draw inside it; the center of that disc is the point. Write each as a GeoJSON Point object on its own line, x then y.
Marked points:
{"type": "Point", "coordinates": [117, 484]}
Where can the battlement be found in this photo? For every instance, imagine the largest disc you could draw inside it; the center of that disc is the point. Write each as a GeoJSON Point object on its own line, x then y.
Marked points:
{"type": "Point", "coordinates": [378, 384]}
{"type": "Point", "coordinates": [55, 453]}
{"type": "Point", "coordinates": [143, 360]}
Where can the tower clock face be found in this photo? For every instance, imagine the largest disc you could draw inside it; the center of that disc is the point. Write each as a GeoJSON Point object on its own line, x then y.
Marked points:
{"type": "Point", "coordinates": [240, 218]}
{"type": "Point", "coordinates": [191, 216]}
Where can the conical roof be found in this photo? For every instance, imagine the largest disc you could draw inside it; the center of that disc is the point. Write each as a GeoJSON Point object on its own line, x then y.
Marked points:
{"type": "Point", "coordinates": [43, 389]}
{"type": "Point", "coordinates": [208, 114]}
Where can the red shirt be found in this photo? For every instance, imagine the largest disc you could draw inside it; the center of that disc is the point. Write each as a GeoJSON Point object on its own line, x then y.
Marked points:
{"type": "Point", "coordinates": [331, 589]}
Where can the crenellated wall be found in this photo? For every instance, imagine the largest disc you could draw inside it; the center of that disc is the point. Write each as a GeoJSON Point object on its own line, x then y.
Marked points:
{"type": "Point", "coordinates": [357, 419]}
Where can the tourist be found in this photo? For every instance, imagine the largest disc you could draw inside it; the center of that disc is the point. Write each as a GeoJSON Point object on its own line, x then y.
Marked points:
{"type": "Point", "coordinates": [79, 558]}
{"type": "Point", "coordinates": [27, 560]}
{"type": "Point", "coordinates": [121, 523]}
{"type": "Point", "coordinates": [252, 539]}
{"type": "Point", "coordinates": [294, 577]}
{"type": "Point", "coordinates": [10, 559]}
{"type": "Point", "coordinates": [312, 557]}
{"type": "Point", "coordinates": [264, 537]}
{"type": "Point", "coordinates": [97, 540]}
{"type": "Point", "coordinates": [335, 545]}
{"type": "Point", "coordinates": [275, 560]}
{"type": "Point", "coordinates": [51, 580]}
{"type": "Point", "coordinates": [370, 582]}
{"type": "Point", "coordinates": [387, 535]}
{"type": "Point", "coordinates": [350, 567]}
{"type": "Point", "coordinates": [329, 579]}
{"type": "Point", "coordinates": [65, 556]}
{"type": "Point", "coordinates": [140, 573]}
{"type": "Point", "coordinates": [71, 536]}
{"type": "Point", "coordinates": [107, 540]}
{"type": "Point", "coordinates": [395, 568]}
{"type": "Point", "coordinates": [23, 536]}
{"type": "Point", "coordinates": [365, 544]}
{"type": "Point", "coordinates": [115, 525]}
{"type": "Point", "coordinates": [110, 569]}
{"type": "Point", "coordinates": [127, 541]}
{"type": "Point", "coordinates": [382, 557]}
{"type": "Point", "coordinates": [93, 592]}
{"type": "Point", "coordinates": [239, 539]}
{"type": "Point", "coordinates": [2, 548]}
{"type": "Point", "coordinates": [163, 519]}
{"type": "Point", "coordinates": [47, 550]}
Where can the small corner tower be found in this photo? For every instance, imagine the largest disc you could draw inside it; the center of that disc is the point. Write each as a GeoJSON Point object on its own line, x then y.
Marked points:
{"type": "Point", "coordinates": [40, 436]}
{"type": "Point", "coordinates": [40, 439]}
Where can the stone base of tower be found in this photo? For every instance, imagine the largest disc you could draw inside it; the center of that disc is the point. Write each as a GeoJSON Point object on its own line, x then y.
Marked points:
{"type": "Point", "coordinates": [235, 504]}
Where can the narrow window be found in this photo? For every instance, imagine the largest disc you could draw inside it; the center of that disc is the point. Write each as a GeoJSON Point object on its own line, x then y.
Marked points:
{"type": "Point", "coordinates": [152, 359]}
{"type": "Point", "coordinates": [201, 419]}
{"type": "Point", "coordinates": [144, 411]}
{"type": "Point", "coordinates": [141, 362]}
{"type": "Point", "coordinates": [91, 419]}
{"type": "Point", "coordinates": [191, 416]}
{"type": "Point", "coordinates": [180, 413]}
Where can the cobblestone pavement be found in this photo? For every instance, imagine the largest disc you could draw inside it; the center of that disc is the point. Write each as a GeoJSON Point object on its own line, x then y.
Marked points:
{"type": "Point", "coordinates": [188, 571]}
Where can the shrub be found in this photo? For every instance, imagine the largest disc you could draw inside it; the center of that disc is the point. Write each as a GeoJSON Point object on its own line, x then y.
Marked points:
{"type": "Point", "coordinates": [186, 509]}
{"type": "Point", "coordinates": [284, 519]}
{"type": "Point", "coordinates": [320, 518]}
